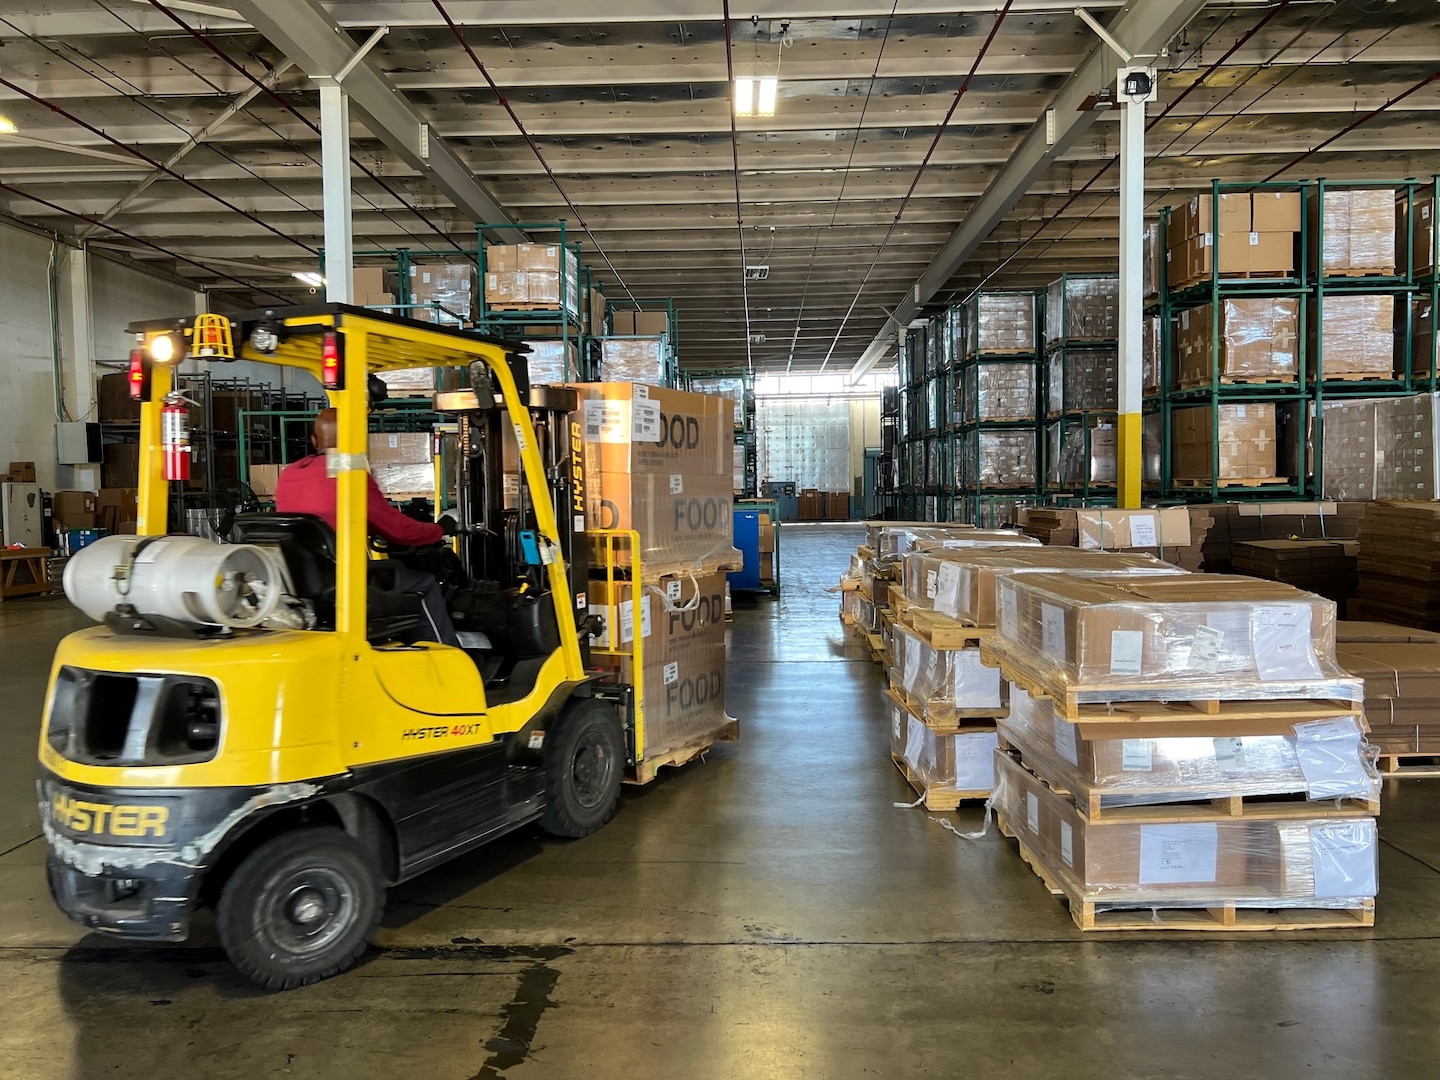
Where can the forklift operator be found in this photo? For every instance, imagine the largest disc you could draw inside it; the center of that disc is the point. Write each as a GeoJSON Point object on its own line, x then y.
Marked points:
{"type": "Point", "coordinates": [305, 487]}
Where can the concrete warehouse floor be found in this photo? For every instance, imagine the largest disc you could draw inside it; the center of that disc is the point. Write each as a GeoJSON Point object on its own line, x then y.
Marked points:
{"type": "Point", "coordinates": [767, 913]}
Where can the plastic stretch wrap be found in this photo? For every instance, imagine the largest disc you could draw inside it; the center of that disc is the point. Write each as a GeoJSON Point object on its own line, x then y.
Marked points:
{"type": "Point", "coordinates": [960, 584]}
{"type": "Point", "coordinates": [1357, 335]}
{"type": "Point", "coordinates": [421, 380]}
{"type": "Point", "coordinates": [1086, 455]}
{"type": "Point", "coordinates": [959, 328]}
{"type": "Point", "coordinates": [1382, 448]}
{"type": "Point", "coordinates": [1152, 443]}
{"type": "Point", "coordinates": [895, 538]}
{"type": "Point", "coordinates": [1153, 343]}
{"type": "Point", "coordinates": [997, 459]}
{"type": "Point", "coordinates": [1152, 258]}
{"type": "Point", "coordinates": [934, 461]}
{"type": "Point", "coordinates": [445, 283]}
{"type": "Point", "coordinates": [998, 391]}
{"type": "Point", "coordinates": [684, 656]}
{"type": "Point", "coordinates": [1084, 381]}
{"type": "Point", "coordinates": [1083, 308]}
{"type": "Point", "coordinates": [1172, 638]}
{"type": "Point", "coordinates": [633, 359]}
{"type": "Point", "coordinates": [1421, 339]}
{"type": "Point", "coordinates": [863, 611]}
{"type": "Point", "coordinates": [1315, 862]}
{"type": "Point", "coordinates": [932, 405]}
{"type": "Point", "coordinates": [1146, 771]}
{"type": "Point", "coordinates": [1359, 232]}
{"type": "Point", "coordinates": [1259, 338]}
{"type": "Point", "coordinates": [944, 684]}
{"type": "Point", "coordinates": [964, 762]}
{"type": "Point", "coordinates": [1246, 441]}
{"type": "Point", "coordinates": [553, 362]}
{"type": "Point", "coordinates": [726, 386]}
{"type": "Point", "coordinates": [1001, 322]}
{"type": "Point", "coordinates": [395, 479]}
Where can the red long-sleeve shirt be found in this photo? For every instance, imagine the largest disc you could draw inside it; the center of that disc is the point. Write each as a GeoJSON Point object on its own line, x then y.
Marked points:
{"type": "Point", "coordinates": [304, 488]}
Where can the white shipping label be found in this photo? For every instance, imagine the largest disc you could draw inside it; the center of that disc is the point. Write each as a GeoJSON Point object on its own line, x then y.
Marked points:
{"type": "Point", "coordinates": [1230, 754]}
{"type": "Point", "coordinates": [677, 484]}
{"type": "Point", "coordinates": [520, 438]}
{"type": "Point", "coordinates": [1344, 856]}
{"type": "Point", "coordinates": [1127, 648]}
{"type": "Point", "coordinates": [1283, 646]}
{"type": "Point", "coordinates": [579, 523]}
{"type": "Point", "coordinates": [914, 742]}
{"type": "Point", "coordinates": [672, 589]}
{"type": "Point", "coordinates": [645, 617]}
{"type": "Point", "coordinates": [932, 582]}
{"type": "Point", "coordinates": [1032, 813]}
{"type": "Point", "coordinates": [1065, 740]}
{"type": "Point", "coordinates": [645, 421]}
{"type": "Point", "coordinates": [964, 593]}
{"type": "Point", "coordinates": [1142, 531]}
{"type": "Point", "coordinates": [641, 392]}
{"type": "Point", "coordinates": [627, 621]}
{"type": "Point", "coordinates": [912, 662]}
{"type": "Point", "coordinates": [976, 686]}
{"type": "Point", "coordinates": [1205, 649]}
{"type": "Point", "coordinates": [1137, 755]}
{"type": "Point", "coordinates": [1067, 843]}
{"type": "Point", "coordinates": [895, 725]}
{"type": "Point", "coordinates": [607, 421]}
{"type": "Point", "coordinates": [1052, 630]}
{"type": "Point", "coordinates": [672, 672]}
{"type": "Point", "coordinates": [394, 442]}
{"type": "Point", "coordinates": [975, 761]}
{"type": "Point", "coordinates": [1179, 854]}
{"type": "Point", "coordinates": [1331, 759]}
{"type": "Point", "coordinates": [947, 590]}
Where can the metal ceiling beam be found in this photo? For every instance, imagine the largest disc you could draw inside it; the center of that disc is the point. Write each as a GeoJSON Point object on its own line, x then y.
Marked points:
{"type": "Point", "coordinates": [1143, 27]}
{"type": "Point", "coordinates": [303, 31]}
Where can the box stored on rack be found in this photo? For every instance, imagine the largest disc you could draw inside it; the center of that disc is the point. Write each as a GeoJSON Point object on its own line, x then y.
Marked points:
{"type": "Point", "coordinates": [1258, 340]}
{"type": "Point", "coordinates": [1246, 441]}
{"type": "Point", "coordinates": [539, 276]}
{"type": "Point", "coordinates": [1356, 335]}
{"type": "Point", "coordinates": [634, 359]}
{"type": "Point", "coordinates": [1358, 234]}
{"type": "Point", "coordinates": [1001, 322]}
{"type": "Point", "coordinates": [402, 463]}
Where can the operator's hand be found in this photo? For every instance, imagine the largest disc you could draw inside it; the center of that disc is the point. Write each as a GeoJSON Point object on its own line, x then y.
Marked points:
{"type": "Point", "coordinates": [448, 525]}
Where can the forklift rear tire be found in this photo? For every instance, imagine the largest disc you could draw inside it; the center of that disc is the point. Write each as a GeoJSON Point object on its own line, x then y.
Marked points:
{"type": "Point", "coordinates": [300, 908]}
{"type": "Point", "coordinates": [584, 763]}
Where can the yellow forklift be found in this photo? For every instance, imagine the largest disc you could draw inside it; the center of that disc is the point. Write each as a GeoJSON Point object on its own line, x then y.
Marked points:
{"type": "Point", "coordinates": [258, 725]}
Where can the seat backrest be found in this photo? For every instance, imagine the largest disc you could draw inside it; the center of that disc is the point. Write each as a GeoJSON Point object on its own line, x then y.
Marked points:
{"type": "Point", "coordinates": [306, 542]}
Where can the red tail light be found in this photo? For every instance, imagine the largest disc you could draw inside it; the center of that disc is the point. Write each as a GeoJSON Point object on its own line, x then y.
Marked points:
{"type": "Point", "coordinates": [332, 362]}
{"type": "Point", "coordinates": [139, 377]}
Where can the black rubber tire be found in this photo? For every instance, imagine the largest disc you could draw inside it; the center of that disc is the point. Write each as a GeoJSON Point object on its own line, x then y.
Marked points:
{"type": "Point", "coordinates": [584, 767]}
{"type": "Point", "coordinates": [262, 913]}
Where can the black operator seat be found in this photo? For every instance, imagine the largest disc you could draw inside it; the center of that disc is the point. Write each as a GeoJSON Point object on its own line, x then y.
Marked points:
{"type": "Point", "coordinates": [308, 546]}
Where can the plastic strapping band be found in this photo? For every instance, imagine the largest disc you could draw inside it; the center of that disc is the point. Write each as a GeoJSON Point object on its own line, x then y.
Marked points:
{"type": "Point", "coordinates": [949, 826]}
{"type": "Point", "coordinates": [336, 463]}
{"type": "Point", "coordinates": [908, 805]}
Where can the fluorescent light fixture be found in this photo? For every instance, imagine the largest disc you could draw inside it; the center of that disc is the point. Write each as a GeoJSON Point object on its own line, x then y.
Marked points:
{"type": "Point", "coordinates": [756, 97]}
{"type": "Point", "coordinates": [7, 127]}
{"type": "Point", "coordinates": [769, 90]}
{"type": "Point", "coordinates": [309, 277]}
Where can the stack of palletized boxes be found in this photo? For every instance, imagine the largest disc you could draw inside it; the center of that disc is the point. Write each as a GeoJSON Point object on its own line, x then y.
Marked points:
{"type": "Point", "coordinates": [1185, 753]}
{"type": "Point", "coordinates": [942, 700]}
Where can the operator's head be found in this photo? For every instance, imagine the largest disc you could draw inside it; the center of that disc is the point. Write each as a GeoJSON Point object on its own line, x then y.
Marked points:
{"type": "Point", "coordinates": [323, 436]}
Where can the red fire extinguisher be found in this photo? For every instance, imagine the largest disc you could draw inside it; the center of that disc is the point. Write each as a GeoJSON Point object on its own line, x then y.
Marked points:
{"type": "Point", "coordinates": [175, 437]}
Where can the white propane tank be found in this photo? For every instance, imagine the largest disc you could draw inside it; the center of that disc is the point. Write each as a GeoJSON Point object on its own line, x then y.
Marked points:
{"type": "Point", "coordinates": [185, 578]}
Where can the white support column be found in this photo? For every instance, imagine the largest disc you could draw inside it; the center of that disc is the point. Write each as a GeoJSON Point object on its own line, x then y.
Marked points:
{"type": "Point", "coordinates": [335, 168]}
{"type": "Point", "coordinates": [1129, 433]}
{"type": "Point", "coordinates": [79, 366]}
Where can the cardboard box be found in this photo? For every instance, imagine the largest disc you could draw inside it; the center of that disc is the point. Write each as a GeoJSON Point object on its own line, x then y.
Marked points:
{"type": "Point", "coordinates": [684, 527]}
{"type": "Point", "coordinates": [622, 321]}
{"type": "Point", "coordinates": [121, 467]}
{"type": "Point", "coordinates": [942, 762]}
{"type": "Point", "coordinates": [633, 359]}
{"type": "Point", "coordinates": [1359, 230]}
{"type": "Point", "coordinates": [448, 284]}
{"type": "Point", "coordinates": [22, 472]}
{"type": "Point", "coordinates": [366, 280]}
{"type": "Point", "coordinates": [263, 479]}
{"type": "Point", "coordinates": [1103, 529]}
{"type": "Point", "coordinates": [652, 323]}
{"type": "Point", "coordinates": [1179, 635]}
{"type": "Point", "coordinates": [683, 654]}
{"type": "Point", "coordinates": [1246, 441]}
{"type": "Point", "coordinates": [1419, 232]}
{"type": "Point", "coordinates": [837, 506]}
{"type": "Point", "coordinates": [1357, 335]}
{"type": "Point", "coordinates": [115, 405]}
{"type": "Point", "coordinates": [402, 463]}
{"type": "Point", "coordinates": [633, 428]}
{"type": "Point", "coordinates": [70, 505]}
{"type": "Point", "coordinates": [1276, 211]}
{"type": "Point", "coordinates": [767, 535]}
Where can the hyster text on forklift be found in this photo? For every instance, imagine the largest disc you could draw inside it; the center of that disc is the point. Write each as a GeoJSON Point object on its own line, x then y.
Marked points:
{"type": "Point", "coordinates": [256, 723]}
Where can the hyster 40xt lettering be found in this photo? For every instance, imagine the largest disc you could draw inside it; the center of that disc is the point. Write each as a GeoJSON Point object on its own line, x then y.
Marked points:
{"type": "Point", "coordinates": [257, 723]}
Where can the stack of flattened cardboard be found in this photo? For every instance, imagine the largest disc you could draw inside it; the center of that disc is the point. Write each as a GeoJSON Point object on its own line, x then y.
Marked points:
{"type": "Point", "coordinates": [1176, 534]}
{"type": "Point", "coordinates": [1326, 567]}
{"type": "Point", "coordinates": [1238, 522]}
{"type": "Point", "coordinates": [1401, 669]}
{"type": "Point", "coordinates": [1184, 752]}
{"type": "Point", "coordinates": [657, 462]}
{"type": "Point", "coordinates": [1399, 564]}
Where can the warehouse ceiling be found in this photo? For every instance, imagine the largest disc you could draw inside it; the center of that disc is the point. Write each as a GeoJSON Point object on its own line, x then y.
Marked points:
{"type": "Point", "coordinates": [628, 104]}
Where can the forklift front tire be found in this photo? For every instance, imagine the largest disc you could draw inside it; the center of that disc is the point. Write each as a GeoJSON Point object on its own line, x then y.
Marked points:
{"type": "Point", "coordinates": [584, 766]}
{"type": "Point", "coordinates": [300, 908]}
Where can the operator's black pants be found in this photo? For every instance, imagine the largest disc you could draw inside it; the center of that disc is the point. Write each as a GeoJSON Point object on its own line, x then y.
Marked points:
{"type": "Point", "coordinates": [435, 624]}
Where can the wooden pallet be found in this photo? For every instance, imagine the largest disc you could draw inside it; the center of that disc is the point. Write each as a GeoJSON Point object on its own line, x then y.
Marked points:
{"type": "Point", "coordinates": [1359, 376]}
{"type": "Point", "coordinates": [24, 572]}
{"type": "Point", "coordinates": [1357, 272]}
{"type": "Point", "coordinates": [877, 648]}
{"type": "Point", "coordinates": [1241, 380]}
{"type": "Point", "coordinates": [999, 352]}
{"type": "Point", "coordinates": [1066, 699]}
{"type": "Point", "coordinates": [943, 633]}
{"type": "Point", "coordinates": [1175, 806]}
{"type": "Point", "coordinates": [937, 800]}
{"type": "Point", "coordinates": [646, 770]}
{"type": "Point", "coordinates": [1220, 918]}
{"type": "Point", "coordinates": [1232, 482]}
{"type": "Point", "coordinates": [1411, 766]}
{"type": "Point", "coordinates": [961, 721]}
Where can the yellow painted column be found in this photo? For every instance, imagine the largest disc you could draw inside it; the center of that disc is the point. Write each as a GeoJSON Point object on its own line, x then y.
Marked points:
{"type": "Point", "coordinates": [153, 500]}
{"type": "Point", "coordinates": [348, 464]}
{"type": "Point", "coordinates": [1130, 458]}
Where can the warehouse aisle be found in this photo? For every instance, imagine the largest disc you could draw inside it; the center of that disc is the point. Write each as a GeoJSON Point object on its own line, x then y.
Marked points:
{"type": "Point", "coordinates": [767, 913]}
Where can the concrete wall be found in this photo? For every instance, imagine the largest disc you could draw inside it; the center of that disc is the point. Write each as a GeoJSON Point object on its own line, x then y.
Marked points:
{"type": "Point", "coordinates": [27, 383]}
{"type": "Point", "coordinates": [864, 433]}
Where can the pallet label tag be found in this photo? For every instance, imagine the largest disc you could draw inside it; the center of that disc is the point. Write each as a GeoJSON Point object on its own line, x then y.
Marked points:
{"type": "Point", "coordinates": [1283, 646]}
{"type": "Point", "coordinates": [1343, 854]}
{"type": "Point", "coordinates": [1052, 623]}
{"type": "Point", "coordinates": [1205, 651]}
{"type": "Point", "coordinates": [1142, 531]}
{"type": "Point", "coordinates": [1179, 854]}
{"type": "Point", "coordinates": [1127, 648]}
{"type": "Point", "coordinates": [1329, 753]}
{"type": "Point", "coordinates": [947, 590]}
{"type": "Point", "coordinates": [1032, 813]}
{"type": "Point", "coordinates": [1067, 843]}
{"type": "Point", "coordinates": [1137, 755]}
